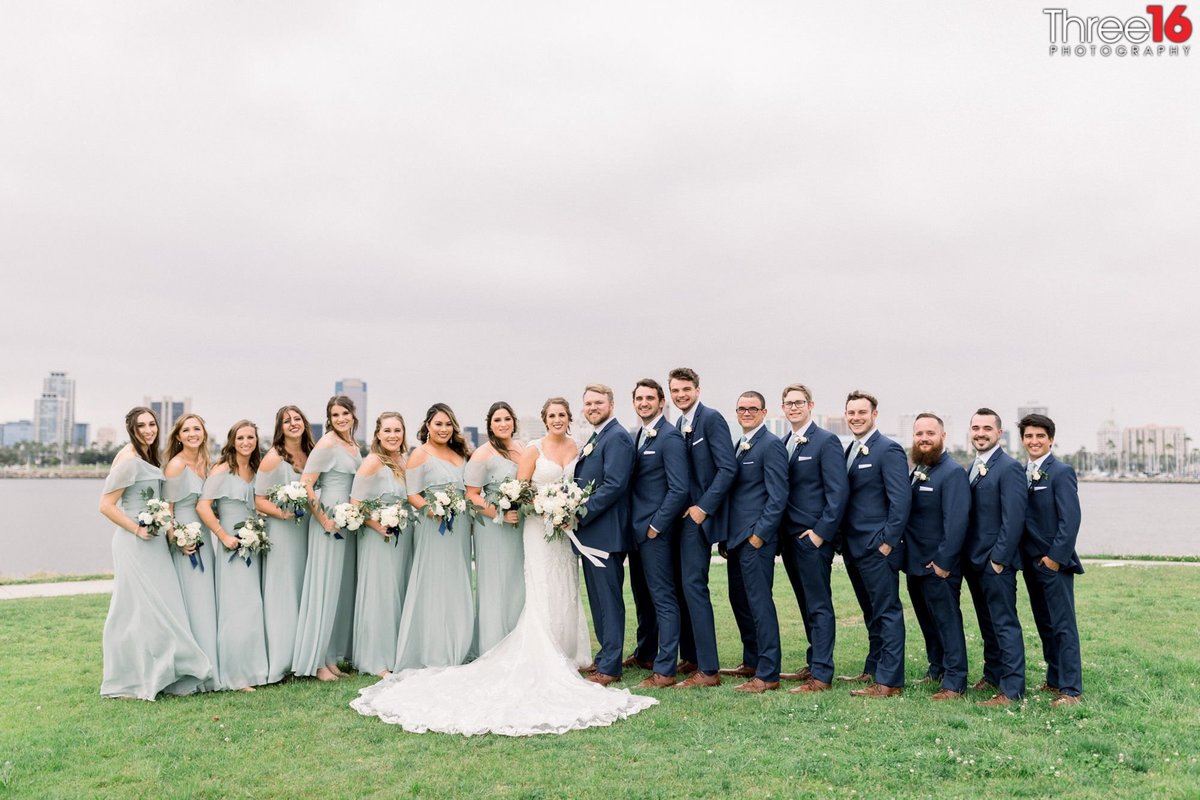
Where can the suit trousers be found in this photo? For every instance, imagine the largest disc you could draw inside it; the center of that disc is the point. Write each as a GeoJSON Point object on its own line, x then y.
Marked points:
{"type": "Point", "coordinates": [935, 602]}
{"type": "Point", "coordinates": [1004, 660]}
{"type": "Point", "coordinates": [604, 590]}
{"type": "Point", "coordinates": [1052, 599]}
{"type": "Point", "coordinates": [687, 641]}
{"type": "Point", "coordinates": [646, 647]}
{"type": "Point", "coordinates": [656, 567]}
{"type": "Point", "coordinates": [695, 557]}
{"type": "Point", "coordinates": [808, 569]}
{"type": "Point", "coordinates": [877, 587]}
{"type": "Point", "coordinates": [751, 578]}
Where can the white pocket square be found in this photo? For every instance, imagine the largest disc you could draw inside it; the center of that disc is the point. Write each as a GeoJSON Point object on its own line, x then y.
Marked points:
{"type": "Point", "coordinates": [864, 466]}
{"type": "Point", "coordinates": [649, 452]}
{"type": "Point", "coordinates": [747, 463]}
{"type": "Point", "coordinates": [804, 458]}
{"type": "Point", "coordinates": [1040, 488]}
{"type": "Point", "coordinates": [925, 489]}
{"type": "Point", "coordinates": [698, 441]}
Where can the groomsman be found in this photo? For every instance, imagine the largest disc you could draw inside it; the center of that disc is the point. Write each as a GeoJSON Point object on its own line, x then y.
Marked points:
{"type": "Point", "coordinates": [1048, 548]}
{"type": "Point", "coordinates": [710, 473]}
{"type": "Point", "coordinates": [871, 534]}
{"type": "Point", "coordinates": [817, 490]}
{"type": "Point", "coordinates": [606, 460]}
{"type": "Point", "coordinates": [991, 558]}
{"type": "Point", "coordinates": [756, 502]}
{"type": "Point", "coordinates": [658, 494]}
{"type": "Point", "coordinates": [933, 538]}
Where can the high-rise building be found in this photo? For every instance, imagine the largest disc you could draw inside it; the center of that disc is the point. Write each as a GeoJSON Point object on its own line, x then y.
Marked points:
{"type": "Point", "coordinates": [835, 424]}
{"type": "Point", "coordinates": [14, 433]}
{"type": "Point", "coordinates": [1031, 407]}
{"type": "Point", "coordinates": [1155, 449]}
{"type": "Point", "coordinates": [778, 426]}
{"type": "Point", "coordinates": [54, 411]}
{"type": "Point", "coordinates": [168, 410]}
{"type": "Point", "coordinates": [471, 434]}
{"type": "Point", "coordinates": [1108, 446]}
{"type": "Point", "coordinates": [530, 428]}
{"type": "Point", "coordinates": [356, 390]}
{"type": "Point", "coordinates": [106, 437]}
{"type": "Point", "coordinates": [80, 436]}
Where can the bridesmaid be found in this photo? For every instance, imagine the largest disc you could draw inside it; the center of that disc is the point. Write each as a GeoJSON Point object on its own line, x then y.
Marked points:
{"type": "Point", "coordinates": [437, 626]}
{"type": "Point", "coordinates": [241, 636]}
{"type": "Point", "coordinates": [499, 552]}
{"type": "Point", "coordinates": [148, 643]}
{"type": "Point", "coordinates": [283, 566]}
{"type": "Point", "coordinates": [187, 467]}
{"type": "Point", "coordinates": [383, 563]}
{"type": "Point", "coordinates": [326, 616]}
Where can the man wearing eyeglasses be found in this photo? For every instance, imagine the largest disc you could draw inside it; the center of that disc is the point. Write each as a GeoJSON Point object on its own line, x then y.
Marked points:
{"type": "Point", "coordinates": [871, 533]}
{"type": "Point", "coordinates": [757, 499]}
{"type": "Point", "coordinates": [817, 490]}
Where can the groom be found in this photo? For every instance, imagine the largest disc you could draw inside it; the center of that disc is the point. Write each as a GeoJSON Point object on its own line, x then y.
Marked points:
{"type": "Point", "coordinates": [605, 461]}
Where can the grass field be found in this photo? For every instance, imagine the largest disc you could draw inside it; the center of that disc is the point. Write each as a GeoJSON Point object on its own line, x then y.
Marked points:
{"type": "Point", "coordinates": [1137, 734]}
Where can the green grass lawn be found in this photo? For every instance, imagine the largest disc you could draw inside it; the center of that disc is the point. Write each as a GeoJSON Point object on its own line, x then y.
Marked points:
{"type": "Point", "coordinates": [1137, 734]}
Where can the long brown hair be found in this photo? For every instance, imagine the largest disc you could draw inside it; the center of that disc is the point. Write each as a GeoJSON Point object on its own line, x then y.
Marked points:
{"type": "Point", "coordinates": [457, 443]}
{"type": "Point", "coordinates": [395, 466]}
{"type": "Point", "coordinates": [229, 451]}
{"type": "Point", "coordinates": [146, 452]}
{"type": "Point", "coordinates": [175, 444]}
{"type": "Point", "coordinates": [278, 440]}
{"type": "Point", "coordinates": [348, 404]}
{"type": "Point", "coordinates": [496, 444]}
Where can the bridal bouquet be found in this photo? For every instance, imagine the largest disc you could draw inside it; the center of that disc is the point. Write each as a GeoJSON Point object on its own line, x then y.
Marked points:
{"type": "Point", "coordinates": [156, 517]}
{"type": "Point", "coordinates": [446, 503]}
{"type": "Point", "coordinates": [507, 496]}
{"type": "Point", "coordinates": [560, 504]}
{"type": "Point", "coordinates": [393, 518]}
{"type": "Point", "coordinates": [347, 516]}
{"type": "Point", "coordinates": [191, 535]}
{"type": "Point", "coordinates": [251, 538]}
{"type": "Point", "coordinates": [290, 497]}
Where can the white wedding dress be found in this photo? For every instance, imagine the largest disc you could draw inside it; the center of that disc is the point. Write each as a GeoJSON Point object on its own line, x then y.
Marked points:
{"type": "Point", "coordinates": [527, 684]}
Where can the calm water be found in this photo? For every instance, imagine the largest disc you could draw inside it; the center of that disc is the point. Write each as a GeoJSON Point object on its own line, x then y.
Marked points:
{"type": "Point", "coordinates": [53, 525]}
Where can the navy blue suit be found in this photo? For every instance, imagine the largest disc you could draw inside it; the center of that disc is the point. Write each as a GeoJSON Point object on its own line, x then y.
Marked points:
{"type": "Point", "coordinates": [710, 473]}
{"type": "Point", "coordinates": [817, 493]}
{"type": "Point", "coordinates": [658, 496]}
{"type": "Point", "coordinates": [937, 525]}
{"type": "Point", "coordinates": [606, 526]}
{"type": "Point", "coordinates": [998, 501]}
{"type": "Point", "coordinates": [877, 512]}
{"type": "Point", "coordinates": [1052, 521]}
{"type": "Point", "coordinates": [756, 503]}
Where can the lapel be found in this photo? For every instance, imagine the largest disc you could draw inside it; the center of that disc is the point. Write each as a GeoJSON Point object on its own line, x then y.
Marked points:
{"type": "Point", "coordinates": [752, 442]}
{"type": "Point", "coordinates": [870, 443]}
{"type": "Point", "coordinates": [808, 434]}
{"type": "Point", "coordinates": [988, 464]}
{"type": "Point", "coordinates": [658, 428]}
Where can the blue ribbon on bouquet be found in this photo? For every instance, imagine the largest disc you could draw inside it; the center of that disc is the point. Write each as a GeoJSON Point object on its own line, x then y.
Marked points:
{"type": "Point", "coordinates": [197, 561]}
{"type": "Point", "coordinates": [235, 555]}
{"type": "Point", "coordinates": [395, 534]}
{"type": "Point", "coordinates": [447, 524]}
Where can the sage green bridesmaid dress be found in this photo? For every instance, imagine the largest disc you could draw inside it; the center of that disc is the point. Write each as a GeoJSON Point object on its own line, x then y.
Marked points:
{"type": "Point", "coordinates": [148, 644]}
{"type": "Point", "coordinates": [196, 574]}
{"type": "Point", "coordinates": [499, 559]}
{"type": "Point", "coordinates": [282, 575]}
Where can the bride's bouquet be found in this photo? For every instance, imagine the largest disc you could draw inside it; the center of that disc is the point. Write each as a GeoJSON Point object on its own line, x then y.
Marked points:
{"type": "Point", "coordinates": [560, 504]}
{"type": "Point", "coordinates": [191, 535]}
{"type": "Point", "coordinates": [347, 517]}
{"type": "Point", "coordinates": [156, 516]}
{"type": "Point", "coordinates": [290, 497]}
{"type": "Point", "coordinates": [251, 538]}
{"type": "Point", "coordinates": [393, 518]}
{"type": "Point", "coordinates": [507, 496]}
{"type": "Point", "coordinates": [446, 503]}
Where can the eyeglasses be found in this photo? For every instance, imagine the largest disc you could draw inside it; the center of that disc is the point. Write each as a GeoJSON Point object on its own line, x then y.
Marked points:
{"type": "Point", "coordinates": [749, 410]}
{"type": "Point", "coordinates": [795, 403]}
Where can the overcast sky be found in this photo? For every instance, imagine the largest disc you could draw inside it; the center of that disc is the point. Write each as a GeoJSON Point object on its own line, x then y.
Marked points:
{"type": "Point", "coordinates": [463, 202]}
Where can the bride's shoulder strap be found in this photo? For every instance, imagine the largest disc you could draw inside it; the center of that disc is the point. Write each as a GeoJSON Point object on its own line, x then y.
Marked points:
{"type": "Point", "coordinates": [536, 444]}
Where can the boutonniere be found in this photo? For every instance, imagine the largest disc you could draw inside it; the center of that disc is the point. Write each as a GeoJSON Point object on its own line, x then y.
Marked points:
{"type": "Point", "coordinates": [920, 474]}
{"type": "Point", "coordinates": [863, 450]}
{"type": "Point", "coordinates": [800, 439]}
{"type": "Point", "coordinates": [743, 447]}
{"type": "Point", "coordinates": [587, 449]}
{"type": "Point", "coordinates": [687, 428]}
{"type": "Point", "coordinates": [982, 470]}
{"type": "Point", "coordinates": [1038, 475]}
{"type": "Point", "coordinates": [651, 433]}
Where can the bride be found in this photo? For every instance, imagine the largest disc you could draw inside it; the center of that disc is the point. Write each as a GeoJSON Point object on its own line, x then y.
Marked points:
{"type": "Point", "coordinates": [529, 683]}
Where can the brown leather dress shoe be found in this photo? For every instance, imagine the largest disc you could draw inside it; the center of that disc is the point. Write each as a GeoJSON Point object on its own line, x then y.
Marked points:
{"type": "Point", "coordinates": [602, 679]}
{"type": "Point", "coordinates": [926, 679]}
{"type": "Point", "coordinates": [740, 671]}
{"type": "Point", "coordinates": [686, 667]}
{"type": "Point", "coordinates": [590, 669]}
{"type": "Point", "coordinates": [802, 675]}
{"type": "Point", "coordinates": [810, 686]}
{"type": "Point", "coordinates": [996, 700]}
{"type": "Point", "coordinates": [946, 694]}
{"type": "Point", "coordinates": [657, 681]}
{"type": "Point", "coordinates": [877, 690]}
{"type": "Point", "coordinates": [983, 684]}
{"type": "Point", "coordinates": [757, 686]}
{"type": "Point", "coordinates": [1045, 687]}
{"type": "Point", "coordinates": [862, 677]}
{"type": "Point", "coordinates": [698, 678]}
{"type": "Point", "coordinates": [634, 661]}
{"type": "Point", "coordinates": [1066, 700]}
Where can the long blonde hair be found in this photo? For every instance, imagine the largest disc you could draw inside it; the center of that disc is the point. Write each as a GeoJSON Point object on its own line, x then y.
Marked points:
{"type": "Point", "coordinates": [175, 444]}
{"type": "Point", "coordinates": [395, 466]}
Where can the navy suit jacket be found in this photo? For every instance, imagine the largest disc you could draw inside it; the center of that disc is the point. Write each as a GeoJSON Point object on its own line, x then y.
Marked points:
{"type": "Point", "coordinates": [1053, 516]}
{"type": "Point", "coordinates": [937, 523]}
{"type": "Point", "coordinates": [759, 492]}
{"type": "Point", "coordinates": [817, 485]}
{"type": "Point", "coordinates": [710, 459]}
{"type": "Point", "coordinates": [880, 498]}
{"type": "Point", "coordinates": [606, 524]}
{"type": "Point", "coordinates": [659, 484]}
{"type": "Point", "coordinates": [998, 500]}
